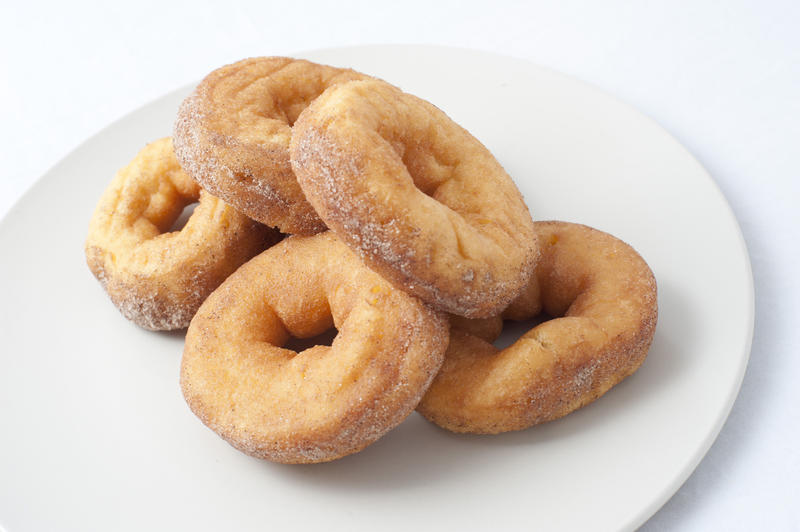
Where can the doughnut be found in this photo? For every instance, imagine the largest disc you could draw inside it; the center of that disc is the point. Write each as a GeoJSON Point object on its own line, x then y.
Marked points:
{"type": "Point", "coordinates": [158, 278]}
{"type": "Point", "coordinates": [601, 296]}
{"type": "Point", "coordinates": [421, 201]}
{"type": "Point", "coordinates": [232, 136]}
{"type": "Point", "coordinates": [488, 329]}
{"type": "Point", "coordinates": [324, 402]}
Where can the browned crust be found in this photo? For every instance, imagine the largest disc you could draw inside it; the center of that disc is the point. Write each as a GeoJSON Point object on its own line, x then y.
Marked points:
{"type": "Point", "coordinates": [419, 199]}
{"type": "Point", "coordinates": [325, 402]}
{"type": "Point", "coordinates": [607, 298]}
{"type": "Point", "coordinates": [156, 278]}
{"type": "Point", "coordinates": [232, 136]}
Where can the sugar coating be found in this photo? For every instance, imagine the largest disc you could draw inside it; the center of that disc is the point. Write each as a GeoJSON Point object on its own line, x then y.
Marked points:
{"type": "Point", "coordinates": [158, 278]}
{"type": "Point", "coordinates": [417, 197]}
{"type": "Point", "coordinates": [604, 300]}
{"type": "Point", "coordinates": [232, 136]}
{"type": "Point", "coordinates": [327, 401]}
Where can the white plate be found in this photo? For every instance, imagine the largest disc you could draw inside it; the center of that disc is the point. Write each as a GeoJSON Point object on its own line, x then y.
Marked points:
{"type": "Point", "coordinates": [96, 436]}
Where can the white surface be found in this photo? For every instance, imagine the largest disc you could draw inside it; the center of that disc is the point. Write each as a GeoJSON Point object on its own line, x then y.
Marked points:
{"type": "Point", "coordinates": [598, 162]}
{"type": "Point", "coordinates": [722, 77]}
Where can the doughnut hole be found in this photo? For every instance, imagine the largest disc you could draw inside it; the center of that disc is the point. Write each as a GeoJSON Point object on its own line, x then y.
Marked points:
{"type": "Point", "coordinates": [325, 339]}
{"type": "Point", "coordinates": [513, 330]}
{"type": "Point", "coordinates": [183, 217]}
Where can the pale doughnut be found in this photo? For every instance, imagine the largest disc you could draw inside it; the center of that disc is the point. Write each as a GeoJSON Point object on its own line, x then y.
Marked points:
{"type": "Point", "coordinates": [421, 200]}
{"type": "Point", "coordinates": [156, 278]}
{"type": "Point", "coordinates": [326, 401]}
{"type": "Point", "coordinates": [232, 136]}
{"type": "Point", "coordinates": [602, 296]}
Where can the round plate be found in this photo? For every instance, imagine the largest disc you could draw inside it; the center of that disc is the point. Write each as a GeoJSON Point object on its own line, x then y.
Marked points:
{"type": "Point", "coordinates": [96, 435]}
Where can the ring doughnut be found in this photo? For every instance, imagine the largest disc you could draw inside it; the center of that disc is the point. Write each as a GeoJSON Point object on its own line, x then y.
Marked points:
{"type": "Point", "coordinates": [488, 329]}
{"type": "Point", "coordinates": [232, 136]}
{"type": "Point", "coordinates": [606, 296]}
{"type": "Point", "coordinates": [326, 401]}
{"type": "Point", "coordinates": [422, 201]}
{"type": "Point", "coordinates": [156, 278]}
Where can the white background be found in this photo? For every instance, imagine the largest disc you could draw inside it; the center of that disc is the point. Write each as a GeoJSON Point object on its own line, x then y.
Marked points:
{"type": "Point", "coordinates": [722, 77]}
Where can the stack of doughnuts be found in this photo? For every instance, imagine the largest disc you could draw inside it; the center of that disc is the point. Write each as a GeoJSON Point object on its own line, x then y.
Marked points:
{"type": "Point", "coordinates": [327, 198]}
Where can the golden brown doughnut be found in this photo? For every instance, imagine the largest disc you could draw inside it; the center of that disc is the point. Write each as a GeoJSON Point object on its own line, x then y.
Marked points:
{"type": "Point", "coordinates": [232, 136]}
{"type": "Point", "coordinates": [156, 278]}
{"type": "Point", "coordinates": [605, 296]}
{"type": "Point", "coordinates": [488, 329]}
{"type": "Point", "coordinates": [421, 200]}
{"type": "Point", "coordinates": [326, 401]}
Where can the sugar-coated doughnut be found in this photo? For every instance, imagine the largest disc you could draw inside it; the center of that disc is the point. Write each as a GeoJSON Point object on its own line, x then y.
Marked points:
{"type": "Point", "coordinates": [488, 329]}
{"type": "Point", "coordinates": [232, 136]}
{"type": "Point", "coordinates": [602, 297]}
{"type": "Point", "coordinates": [324, 402]}
{"type": "Point", "coordinates": [421, 200]}
{"type": "Point", "coordinates": [158, 278]}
